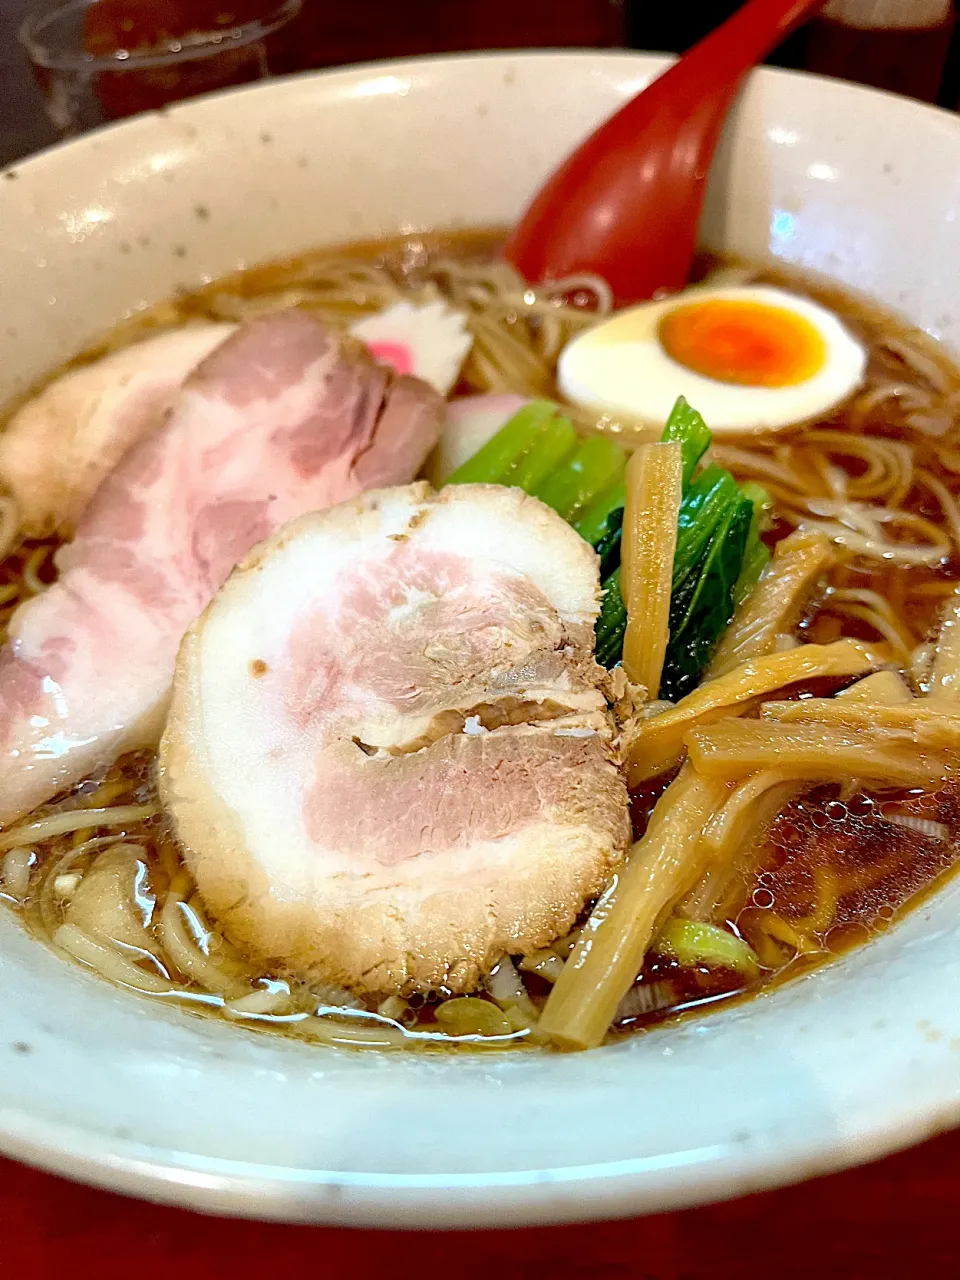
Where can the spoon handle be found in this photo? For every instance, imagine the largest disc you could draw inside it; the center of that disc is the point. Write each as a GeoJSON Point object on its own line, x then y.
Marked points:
{"type": "Point", "coordinates": [749, 34]}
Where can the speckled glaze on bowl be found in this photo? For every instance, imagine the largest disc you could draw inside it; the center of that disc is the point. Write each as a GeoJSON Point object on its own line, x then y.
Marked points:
{"type": "Point", "coordinates": [126, 1092]}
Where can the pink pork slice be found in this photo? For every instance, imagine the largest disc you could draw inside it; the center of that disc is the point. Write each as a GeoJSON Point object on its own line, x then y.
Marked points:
{"type": "Point", "coordinates": [284, 418]}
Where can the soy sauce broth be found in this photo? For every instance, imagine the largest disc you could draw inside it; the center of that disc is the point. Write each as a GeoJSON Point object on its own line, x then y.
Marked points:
{"type": "Point", "coordinates": [835, 869]}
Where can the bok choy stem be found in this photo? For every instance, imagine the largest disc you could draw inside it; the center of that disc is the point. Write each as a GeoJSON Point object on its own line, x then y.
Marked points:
{"type": "Point", "coordinates": [494, 462]}
{"type": "Point", "coordinates": [594, 521]}
{"type": "Point", "coordinates": [597, 462]}
{"type": "Point", "coordinates": [551, 449]}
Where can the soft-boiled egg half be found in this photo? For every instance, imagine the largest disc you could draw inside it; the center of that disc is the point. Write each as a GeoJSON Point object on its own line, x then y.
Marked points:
{"type": "Point", "coordinates": [749, 359]}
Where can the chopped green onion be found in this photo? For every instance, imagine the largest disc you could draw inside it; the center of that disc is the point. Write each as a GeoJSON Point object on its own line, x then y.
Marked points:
{"type": "Point", "coordinates": [494, 462]}
{"type": "Point", "coordinates": [471, 1016]}
{"type": "Point", "coordinates": [693, 944]}
{"type": "Point", "coordinates": [597, 462]}
{"type": "Point", "coordinates": [686, 426]}
{"type": "Point", "coordinates": [762, 503]}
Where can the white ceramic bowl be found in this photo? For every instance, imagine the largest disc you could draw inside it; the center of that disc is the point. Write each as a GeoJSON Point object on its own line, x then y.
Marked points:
{"type": "Point", "coordinates": [855, 1060]}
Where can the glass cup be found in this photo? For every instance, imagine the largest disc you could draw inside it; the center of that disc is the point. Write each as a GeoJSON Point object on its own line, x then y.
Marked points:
{"type": "Point", "coordinates": [101, 60]}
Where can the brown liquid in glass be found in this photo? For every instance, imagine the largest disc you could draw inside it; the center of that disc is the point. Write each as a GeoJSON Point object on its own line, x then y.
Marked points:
{"type": "Point", "coordinates": [902, 60]}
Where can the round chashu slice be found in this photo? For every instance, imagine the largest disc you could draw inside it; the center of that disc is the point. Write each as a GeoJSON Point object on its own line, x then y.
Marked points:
{"type": "Point", "coordinates": [388, 758]}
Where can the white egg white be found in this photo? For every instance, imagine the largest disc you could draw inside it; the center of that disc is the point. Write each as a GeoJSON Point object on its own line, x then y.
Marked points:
{"type": "Point", "coordinates": [620, 368]}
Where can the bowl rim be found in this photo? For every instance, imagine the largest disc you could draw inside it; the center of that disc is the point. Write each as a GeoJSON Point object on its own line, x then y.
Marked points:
{"type": "Point", "coordinates": [652, 59]}
{"type": "Point", "coordinates": [446, 1202]}
{"type": "Point", "coordinates": [449, 1201]}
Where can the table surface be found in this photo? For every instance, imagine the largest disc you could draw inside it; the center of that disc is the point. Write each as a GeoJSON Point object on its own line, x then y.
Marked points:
{"type": "Point", "coordinates": [893, 1216]}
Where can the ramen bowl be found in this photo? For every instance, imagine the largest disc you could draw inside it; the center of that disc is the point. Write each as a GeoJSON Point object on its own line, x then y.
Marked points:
{"type": "Point", "coordinates": [127, 1092]}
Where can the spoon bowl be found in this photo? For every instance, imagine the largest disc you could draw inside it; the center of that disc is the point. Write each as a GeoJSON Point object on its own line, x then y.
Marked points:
{"type": "Point", "coordinates": [626, 204]}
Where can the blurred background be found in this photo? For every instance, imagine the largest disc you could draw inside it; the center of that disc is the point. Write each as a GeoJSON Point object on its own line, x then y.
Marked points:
{"type": "Point", "coordinates": [910, 46]}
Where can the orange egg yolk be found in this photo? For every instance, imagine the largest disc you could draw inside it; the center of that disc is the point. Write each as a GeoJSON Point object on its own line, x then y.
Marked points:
{"type": "Point", "coordinates": [747, 343]}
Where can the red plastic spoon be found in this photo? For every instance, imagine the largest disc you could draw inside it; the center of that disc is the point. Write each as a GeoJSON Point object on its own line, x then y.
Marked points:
{"type": "Point", "coordinates": [627, 203]}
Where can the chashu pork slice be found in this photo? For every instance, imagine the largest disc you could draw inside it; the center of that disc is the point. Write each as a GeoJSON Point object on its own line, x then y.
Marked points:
{"type": "Point", "coordinates": [388, 758]}
{"type": "Point", "coordinates": [283, 418]}
{"type": "Point", "coordinates": [58, 449]}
